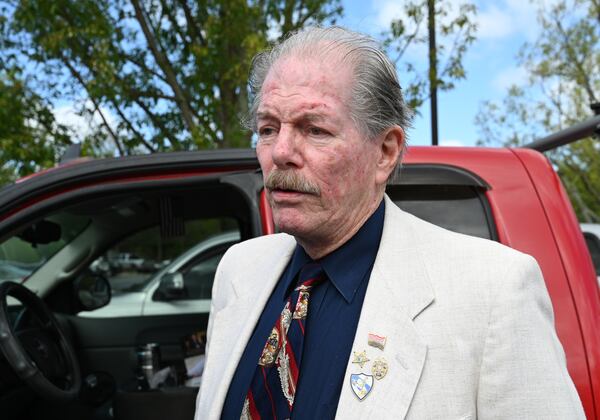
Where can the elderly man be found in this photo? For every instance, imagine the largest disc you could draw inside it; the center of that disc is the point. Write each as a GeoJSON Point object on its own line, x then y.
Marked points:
{"type": "Point", "coordinates": [360, 310]}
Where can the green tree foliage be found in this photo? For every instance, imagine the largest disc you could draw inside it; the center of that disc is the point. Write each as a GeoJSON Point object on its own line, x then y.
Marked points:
{"type": "Point", "coordinates": [455, 32]}
{"type": "Point", "coordinates": [159, 75]}
{"type": "Point", "coordinates": [563, 68]}
{"type": "Point", "coordinates": [30, 138]}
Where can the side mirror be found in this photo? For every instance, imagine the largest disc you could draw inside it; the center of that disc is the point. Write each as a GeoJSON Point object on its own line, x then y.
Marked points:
{"type": "Point", "coordinates": [171, 287]}
{"type": "Point", "coordinates": [92, 290]}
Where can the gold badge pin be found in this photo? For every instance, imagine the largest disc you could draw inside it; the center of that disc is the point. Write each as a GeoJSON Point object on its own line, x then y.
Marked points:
{"type": "Point", "coordinates": [360, 358]}
{"type": "Point", "coordinates": [379, 368]}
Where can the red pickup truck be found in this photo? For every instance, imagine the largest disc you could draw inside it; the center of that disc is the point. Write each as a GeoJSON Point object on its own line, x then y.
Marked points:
{"type": "Point", "coordinates": [58, 223]}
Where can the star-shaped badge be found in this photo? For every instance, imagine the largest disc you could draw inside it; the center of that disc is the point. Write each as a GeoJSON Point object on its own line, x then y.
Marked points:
{"type": "Point", "coordinates": [360, 358]}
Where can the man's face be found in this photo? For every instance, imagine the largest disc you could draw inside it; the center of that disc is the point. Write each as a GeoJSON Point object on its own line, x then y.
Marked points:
{"type": "Point", "coordinates": [322, 168]}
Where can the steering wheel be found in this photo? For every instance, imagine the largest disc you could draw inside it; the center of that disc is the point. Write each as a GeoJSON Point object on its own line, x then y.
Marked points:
{"type": "Point", "coordinates": [40, 354]}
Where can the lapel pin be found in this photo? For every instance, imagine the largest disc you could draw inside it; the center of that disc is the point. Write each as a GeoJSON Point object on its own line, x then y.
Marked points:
{"type": "Point", "coordinates": [379, 368]}
{"type": "Point", "coordinates": [361, 385]}
{"type": "Point", "coordinates": [360, 358]}
{"type": "Point", "coordinates": [377, 341]}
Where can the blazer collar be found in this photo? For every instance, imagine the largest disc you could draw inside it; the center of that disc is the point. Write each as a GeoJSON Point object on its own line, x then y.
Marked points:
{"type": "Point", "coordinates": [259, 280]}
{"type": "Point", "coordinates": [399, 290]}
{"type": "Point", "coordinates": [235, 322]}
{"type": "Point", "coordinates": [400, 262]}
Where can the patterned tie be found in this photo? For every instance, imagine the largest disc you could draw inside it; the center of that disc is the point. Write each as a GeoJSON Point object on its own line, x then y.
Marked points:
{"type": "Point", "coordinates": [273, 387]}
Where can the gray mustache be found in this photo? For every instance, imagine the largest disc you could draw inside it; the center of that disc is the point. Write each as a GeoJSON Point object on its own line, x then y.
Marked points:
{"type": "Point", "coordinates": [290, 180]}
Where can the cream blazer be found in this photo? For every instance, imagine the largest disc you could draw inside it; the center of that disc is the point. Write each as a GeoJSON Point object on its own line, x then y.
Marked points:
{"type": "Point", "coordinates": [468, 324]}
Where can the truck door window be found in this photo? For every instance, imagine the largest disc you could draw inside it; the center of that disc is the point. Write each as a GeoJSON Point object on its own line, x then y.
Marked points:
{"type": "Point", "coordinates": [199, 275]}
{"type": "Point", "coordinates": [132, 263]}
{"type": "Point", "coordinates": [135, 266]}
{"type": "Point", "coordinates": [593, 243]}
{"type": "Point", "coordinates": [462, 209]}
{"type": "Point", "coordinates": [25, 252]}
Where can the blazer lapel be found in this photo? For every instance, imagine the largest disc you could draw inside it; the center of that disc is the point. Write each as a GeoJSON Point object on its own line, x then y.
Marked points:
{"type": "Point", "coordinates": [398, 291]}
{"type": "Point", "coordinates": [236, 321]}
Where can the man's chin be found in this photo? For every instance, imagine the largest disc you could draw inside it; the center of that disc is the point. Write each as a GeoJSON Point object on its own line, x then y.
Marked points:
{"type": "Point", "coordinates": [289, 228]}
{"type": "Point", "coordinates": [290, 221]}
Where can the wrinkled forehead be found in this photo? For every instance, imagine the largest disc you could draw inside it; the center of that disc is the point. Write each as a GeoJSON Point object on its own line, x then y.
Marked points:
{"type": "Point", "coordinates": [327, 74]}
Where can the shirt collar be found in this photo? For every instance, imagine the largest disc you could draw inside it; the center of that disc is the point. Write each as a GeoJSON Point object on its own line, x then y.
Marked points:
{"type": "Point", "coordinates": [348, 266]}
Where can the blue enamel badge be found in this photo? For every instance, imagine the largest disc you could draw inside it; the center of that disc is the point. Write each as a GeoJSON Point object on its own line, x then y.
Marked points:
{"type": "Point", "coordinates": [361, 384]}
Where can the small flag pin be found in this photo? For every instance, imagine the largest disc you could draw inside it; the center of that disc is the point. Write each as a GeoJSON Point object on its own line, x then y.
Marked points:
{"type": "Point", "coordinates": [377, 341]}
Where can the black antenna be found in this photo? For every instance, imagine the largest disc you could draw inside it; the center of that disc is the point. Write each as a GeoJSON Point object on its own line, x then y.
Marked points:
{"type": "Point", "coordinates": [587, 128]}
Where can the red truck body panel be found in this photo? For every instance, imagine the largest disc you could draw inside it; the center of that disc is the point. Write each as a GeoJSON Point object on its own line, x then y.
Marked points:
{"type": "Point", "coordinates": [533, 214]}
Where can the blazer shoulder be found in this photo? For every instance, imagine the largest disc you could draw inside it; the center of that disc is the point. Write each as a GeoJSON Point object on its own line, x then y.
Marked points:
{"type": "Point", "coordinates": [269, 246]}
{"type": "Point", "coordinates": [244, 265]}
{"type": "Point", "coordinates": [454, 243]}
{"type": "Point", "coordinates": [460, 261]}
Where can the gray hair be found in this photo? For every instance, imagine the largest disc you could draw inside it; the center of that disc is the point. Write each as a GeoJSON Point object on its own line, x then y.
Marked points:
{"type": "Point", "coordinates": [376, 102]}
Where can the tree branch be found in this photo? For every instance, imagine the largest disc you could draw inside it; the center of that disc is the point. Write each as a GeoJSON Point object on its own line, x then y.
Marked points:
{"type": "Point", "coordinates": [195, 32]}
{"type": "Point", "coordinates": [584, 179]}
{"type": "Point", "coordinates": [588, 215]}
{"type": "Point", "coordinates": [134, 93]}
{"type": "Point", "coordinates": [409, 40]}
{"type": "Point", "coordinates": [163, 130]}
{"type": "Point", "coordinates": [310, 13]}
{"type": "Point", "coordinates": [143, 66]}
{"type": "Point", "coordinates": [555, 101]}
{"type": "Point", "coordinates": [83, 83]}
{"type": "Point", "coordinates": [168, 11]}
{"type": "Point", "coordinates": [573, 57]}
{"type": "Point", "coordinates": [137, 134]}
{"type": "Point", "coordinates": [165, 65]}
{"type": "Point", "coordinates": [288, 17]}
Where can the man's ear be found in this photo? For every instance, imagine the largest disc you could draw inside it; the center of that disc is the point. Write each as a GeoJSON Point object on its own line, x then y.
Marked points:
{"type": "Point", "coordinates": [391, 146]}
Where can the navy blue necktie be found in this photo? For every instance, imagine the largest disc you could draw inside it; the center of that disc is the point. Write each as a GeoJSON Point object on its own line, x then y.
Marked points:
{"type": "Point", "coordinates": [273, 388]}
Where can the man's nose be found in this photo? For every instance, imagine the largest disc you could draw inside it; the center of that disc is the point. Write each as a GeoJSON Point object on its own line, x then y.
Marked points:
{"type": "Point", "coordinates": [286, 151]}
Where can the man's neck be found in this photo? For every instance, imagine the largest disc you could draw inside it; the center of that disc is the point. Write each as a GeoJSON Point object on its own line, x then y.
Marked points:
{"type": "Point", "coordinates": [321, 247]}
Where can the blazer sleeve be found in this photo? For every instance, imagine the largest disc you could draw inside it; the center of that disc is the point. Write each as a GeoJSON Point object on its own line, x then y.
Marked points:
{"type": "Point", "coordinates": [217, 297]}
{"type": "Point", "coordinates": [523, 370]}
{"type": "Point", "coordinates": [218, 301]}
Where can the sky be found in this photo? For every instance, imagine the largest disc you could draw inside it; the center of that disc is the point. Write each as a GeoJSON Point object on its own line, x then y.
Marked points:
{"type": "Point", "coordinates": [491, 64]}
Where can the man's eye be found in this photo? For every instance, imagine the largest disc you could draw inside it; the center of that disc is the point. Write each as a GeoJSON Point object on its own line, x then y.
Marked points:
{"type": "Point", "coordinates": [316, 131]}
{"type": "Point", "coordinates": [266, 131]}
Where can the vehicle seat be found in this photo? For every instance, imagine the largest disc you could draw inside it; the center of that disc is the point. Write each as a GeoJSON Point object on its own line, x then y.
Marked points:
{"type": "Point", "coordinates": [168, 403]}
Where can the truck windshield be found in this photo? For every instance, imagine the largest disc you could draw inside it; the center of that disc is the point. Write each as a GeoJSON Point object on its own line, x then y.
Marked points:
{"type": "Point", "coordinates": [27, 250]}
